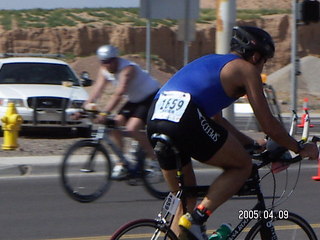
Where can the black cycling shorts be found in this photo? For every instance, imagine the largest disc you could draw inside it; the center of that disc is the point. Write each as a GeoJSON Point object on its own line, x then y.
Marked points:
{"type": "Point", "coordinates": [138, 110]}
{"type": "Point", "coordinates": [196, 136]}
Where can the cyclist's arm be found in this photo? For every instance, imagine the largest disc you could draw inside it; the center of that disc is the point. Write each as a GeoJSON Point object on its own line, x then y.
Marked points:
{"type": "Point", "coordinates": [97, 88]}
{"type": "Point", "coordinates": [241, 77]}
{"type": "Point", "coordinates": [270, 125]}
{"type": "Point", "coordinates": [125, 76]}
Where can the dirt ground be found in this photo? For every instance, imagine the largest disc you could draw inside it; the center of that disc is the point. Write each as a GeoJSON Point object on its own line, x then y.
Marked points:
{"type": "Point", "coordinates": [41, 142]}
{"type": "Point", "coordinates": [53, 143]}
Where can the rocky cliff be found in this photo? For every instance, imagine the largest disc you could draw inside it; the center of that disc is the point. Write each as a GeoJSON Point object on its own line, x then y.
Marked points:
{"type": "Point", "coordinates": [84, 40]}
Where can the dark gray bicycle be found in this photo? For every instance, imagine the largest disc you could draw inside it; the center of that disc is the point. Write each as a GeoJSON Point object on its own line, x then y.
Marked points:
{"type": "Point", "coordinates": [87, 164]}
{"type": "Point", "coordinates": [269, 224]}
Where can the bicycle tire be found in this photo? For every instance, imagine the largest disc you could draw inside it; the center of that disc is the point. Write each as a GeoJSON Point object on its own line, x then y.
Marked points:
{"type": "Point", "coordinates": [144, 229]}
{"type": "Point", "coordinates": [153, 179]}
{"type": "Point", "coordinates": [293, 227]}
{"type": "Point", "coordinates": [85, 171]}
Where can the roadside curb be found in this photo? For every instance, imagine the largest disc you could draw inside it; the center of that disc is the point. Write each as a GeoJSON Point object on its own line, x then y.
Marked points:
{"type": "Point", "coordinates": [49, 165]}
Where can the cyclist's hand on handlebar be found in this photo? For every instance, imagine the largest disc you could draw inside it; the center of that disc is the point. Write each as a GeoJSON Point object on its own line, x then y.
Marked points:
{"type": "Point", "coordinates": [90, 107]}
{"type": "Point", "coordinates": [101, 118]}
{"type": "Point", "coordinates": [262, 143]}
{"type": "Point", "coordinates": [76, 115]}
{"type": "Point", "coordinates": [310, 150]}
{"type": "Point", "coordinates": [257, 147]}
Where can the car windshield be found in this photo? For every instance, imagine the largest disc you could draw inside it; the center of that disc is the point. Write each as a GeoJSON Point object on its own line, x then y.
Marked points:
{"type": "Point", "coordinates": [36, 73]}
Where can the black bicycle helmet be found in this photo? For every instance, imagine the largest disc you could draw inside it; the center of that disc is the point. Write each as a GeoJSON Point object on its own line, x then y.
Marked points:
{"type": "Point", "coordinates": [246, 40]}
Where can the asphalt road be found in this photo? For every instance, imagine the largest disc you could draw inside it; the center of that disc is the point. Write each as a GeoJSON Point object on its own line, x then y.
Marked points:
{"type": "Point", "coordinates": [35, 207]}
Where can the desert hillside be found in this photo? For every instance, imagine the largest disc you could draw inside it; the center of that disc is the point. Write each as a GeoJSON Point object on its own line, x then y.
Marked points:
{"type": "Point", "coordinates": [249, 4]}
{"type": "Point", "coordinates": [89, 30]}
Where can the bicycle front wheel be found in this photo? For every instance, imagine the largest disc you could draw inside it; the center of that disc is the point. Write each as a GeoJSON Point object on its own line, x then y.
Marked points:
{"type": "Point", "coordinates": [144, 229]}
{"type": "Point", "coordinates": [153, 179]}
{"type": "Point", "coordinates": [85, 171]}
{"type": "Point", "coordinates": [293, 227]}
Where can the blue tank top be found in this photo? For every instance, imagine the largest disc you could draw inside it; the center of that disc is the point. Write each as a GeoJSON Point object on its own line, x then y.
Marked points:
{"type": "Point", "coordinates": [201, 78]}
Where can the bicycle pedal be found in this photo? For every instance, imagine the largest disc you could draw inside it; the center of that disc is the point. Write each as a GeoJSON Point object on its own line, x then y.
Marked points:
{"type": "Point", "coordinates": [119, 178]}
{"type": "Point", "coordinates": [134, 182]}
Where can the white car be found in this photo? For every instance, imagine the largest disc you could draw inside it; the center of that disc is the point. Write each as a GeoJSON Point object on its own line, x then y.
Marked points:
{"type": "Point", "coordinates": [46, 92]}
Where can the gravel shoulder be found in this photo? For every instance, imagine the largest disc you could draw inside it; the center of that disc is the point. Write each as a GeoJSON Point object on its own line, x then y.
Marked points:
{"type": "Point", "coordinates": [55, 143]}
{"type": "Point", "coordinates": [41, 143]}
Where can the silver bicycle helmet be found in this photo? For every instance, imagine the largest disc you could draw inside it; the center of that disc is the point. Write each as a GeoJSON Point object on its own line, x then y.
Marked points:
{"type": "Point", "coordinates": [106, 52]}
{"type": "Point", "coordinates": [246, 40]}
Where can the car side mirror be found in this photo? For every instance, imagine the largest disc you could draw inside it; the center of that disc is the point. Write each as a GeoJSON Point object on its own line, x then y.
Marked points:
{"type": "Point", "coordinates": [85, 79]}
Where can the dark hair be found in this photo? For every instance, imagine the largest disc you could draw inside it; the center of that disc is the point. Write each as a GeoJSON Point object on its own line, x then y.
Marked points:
{"type": "Point", "coordinates": [246, 40]}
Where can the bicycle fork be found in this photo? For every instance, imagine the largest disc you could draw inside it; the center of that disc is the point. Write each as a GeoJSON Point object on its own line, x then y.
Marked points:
{"type": "Point", "coordinates": [267, 231]}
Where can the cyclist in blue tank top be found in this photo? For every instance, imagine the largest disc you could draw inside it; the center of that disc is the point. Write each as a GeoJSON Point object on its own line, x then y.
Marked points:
{"type": "Point", "coordinates": [208, 93]}
{"type": "Point", "coordinates": [188, 109]}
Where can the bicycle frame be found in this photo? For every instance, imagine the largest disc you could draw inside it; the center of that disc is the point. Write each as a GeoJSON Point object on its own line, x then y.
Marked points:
{"type": "Point", "coordinates": [171, 204]}
{"type": "Point", "coordinates": [251, 187]}
{"type": "Point", "coordinates": [86, 169]}
{"type": "Point", "coordinates": [134, 168]}
{"type": "Point", "coordinates": [268, 222]}
{"type": "Point", "coordinates": [260, 206]}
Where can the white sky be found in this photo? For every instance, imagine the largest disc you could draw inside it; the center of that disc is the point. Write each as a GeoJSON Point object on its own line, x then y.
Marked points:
{"type": "Point", "coordinates": [49, 4]}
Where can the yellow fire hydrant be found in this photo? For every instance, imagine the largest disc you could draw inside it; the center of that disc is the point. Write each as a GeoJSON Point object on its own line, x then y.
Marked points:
{"type": "Point", "coordinates": [11, 126]}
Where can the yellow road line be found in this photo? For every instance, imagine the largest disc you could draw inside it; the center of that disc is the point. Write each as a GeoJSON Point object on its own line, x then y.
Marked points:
{"type": "Point", "coordinates": [141, 236]}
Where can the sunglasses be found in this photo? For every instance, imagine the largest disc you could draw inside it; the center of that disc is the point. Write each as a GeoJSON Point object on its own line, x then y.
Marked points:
{"type": "Point", "coordinates": [107, 61]}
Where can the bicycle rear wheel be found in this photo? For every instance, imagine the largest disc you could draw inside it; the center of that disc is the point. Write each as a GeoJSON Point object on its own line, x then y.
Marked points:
{"type": "Point", "coordinates": [85, 171]}
{"type": "Point", "coordinates": [153, 179]}
{"type": "Point", "coordinates": [144, 229]}
{"type": "Point", "coordinates": [294, 228]}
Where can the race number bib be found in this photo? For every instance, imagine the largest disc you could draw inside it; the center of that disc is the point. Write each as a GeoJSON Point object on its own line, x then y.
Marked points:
{"type": "Point", "coordinates": [171, 105]}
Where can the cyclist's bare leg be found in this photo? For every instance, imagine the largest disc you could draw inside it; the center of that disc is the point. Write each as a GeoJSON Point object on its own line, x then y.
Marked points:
{"type": "Point", "coordinates": [134, 126]}
{"type": "Point", "coordinates": [236, 164]}
{"type": "Point", "coordinates": [171, 179]}
{"type": "Point", "coordinates": [117, 135]}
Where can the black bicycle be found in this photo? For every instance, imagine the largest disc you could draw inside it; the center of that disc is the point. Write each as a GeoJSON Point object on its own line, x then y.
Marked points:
{"type": "Point", "coordinates": [269, 224]}
{"type": "Point", "coordinates": [87, 164]}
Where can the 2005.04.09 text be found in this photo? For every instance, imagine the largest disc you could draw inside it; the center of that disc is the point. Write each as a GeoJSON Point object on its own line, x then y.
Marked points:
{"type": "Point", "coordinates": [266, 214]}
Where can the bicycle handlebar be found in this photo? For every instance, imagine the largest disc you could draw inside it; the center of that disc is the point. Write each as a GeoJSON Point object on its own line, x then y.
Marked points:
{"type": "Point", "coordinates": [92, 114]}
{"type": "Point", "coordinates": [277, 153]}
{"type": "Point", "coordinates": [266, 157]}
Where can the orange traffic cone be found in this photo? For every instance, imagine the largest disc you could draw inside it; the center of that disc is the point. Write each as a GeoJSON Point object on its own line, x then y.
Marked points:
{"type": "Point", "coordinates": [303, 117]}
{"type": "Point", "coordinates": [317, 178]}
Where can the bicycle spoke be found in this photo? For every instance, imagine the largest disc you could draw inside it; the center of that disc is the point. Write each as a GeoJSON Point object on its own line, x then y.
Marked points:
{"type": "Point", "coordinates": [144, 229]}
{"type": "Point", "coordinates": [292, 228]}
{"type": "Point", "coordinates": [154, 180]}
{"type": "Point", "coordinates": [85, 173]}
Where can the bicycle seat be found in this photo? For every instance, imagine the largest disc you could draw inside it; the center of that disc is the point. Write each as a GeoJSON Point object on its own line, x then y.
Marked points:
{"type": "Point", "coordinates": [162, 144]}
{"type": "Point", "coordinates": [164, 147]}
{"type": "Point", "coordinates": [159, 137]}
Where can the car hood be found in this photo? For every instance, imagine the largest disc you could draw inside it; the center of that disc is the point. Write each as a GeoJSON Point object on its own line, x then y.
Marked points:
{"type": "Point", "coordinates": [35, 90]}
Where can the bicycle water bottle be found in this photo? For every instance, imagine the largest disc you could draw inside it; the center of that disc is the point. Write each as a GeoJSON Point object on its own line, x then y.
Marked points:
{"type": "Point", "coordinates": [222, 232]}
